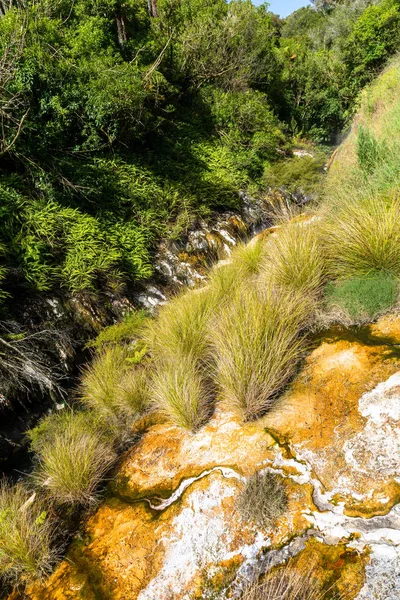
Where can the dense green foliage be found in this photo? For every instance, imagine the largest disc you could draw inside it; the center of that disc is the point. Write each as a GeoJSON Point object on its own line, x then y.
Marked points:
{"type": "Point", "coordinates": [119, 125]}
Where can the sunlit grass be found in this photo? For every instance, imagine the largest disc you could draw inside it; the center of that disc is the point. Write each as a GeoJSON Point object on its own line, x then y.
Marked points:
{"type": "Point", "coordinates": [73, 455]}
{"type": "Point", "coordinates": [294, 258]}
{"type": "Point", "coordinates": [26, 536]}
{"type": "Point", "coordinates": [258, 342]}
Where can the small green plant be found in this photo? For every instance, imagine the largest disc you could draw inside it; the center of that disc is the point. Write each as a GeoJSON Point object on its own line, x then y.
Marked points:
{"type": "Point", "coordinates": [122, 332]}
{"type": "Point", "coordinates": [363, 298]}
{"type": "Point", "coordinates": [258, 342]}
{"type": "Point", "coordinates": [26, 536]}
{"type": "Point", "coordinates": [263, 499]}
{"type": "Point", "coordinates": [73, 455]}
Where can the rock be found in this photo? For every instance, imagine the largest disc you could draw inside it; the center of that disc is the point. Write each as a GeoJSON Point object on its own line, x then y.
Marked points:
{"type": "Point", "coordinates": [170, 528]}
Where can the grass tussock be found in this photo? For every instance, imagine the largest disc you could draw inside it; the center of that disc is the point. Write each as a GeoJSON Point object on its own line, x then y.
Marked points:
{"type": "Point", "coordinates": [294, 258]}
{"type": "Point", "coordinates": [132, 395]}
{"type": "Point", "coordinates": [263, 499]}
{"type": "Point", "coordinates": [363, 236]}
{"type": "Point", "coordinates": [26, 535]}
{"type": "Point", "coordinates": [182, 392]}
{"type": "Point", "coordinates": [179, 346]}
{"type": "Point", "coordinates": [258, 343]}
{"type": "Point", "coordinates": [181, 327]}
{"type": "Point", "coordinates": [116, 391]}
{"type": "Point", "coordinates": [73, 455]}
{"type": "Point", "coordinates": [245, 263]}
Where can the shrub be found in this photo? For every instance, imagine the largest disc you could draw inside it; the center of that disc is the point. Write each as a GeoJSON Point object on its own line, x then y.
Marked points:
{"type": "Point", "coordinates": [363, 298]}
{"type": "Point", "coordinates": [296, 174]}
{"type": "Point", "coordinates": [258, 343]}
{"type": "Point", "coordinates": [363, 236]}
{"type": "Point", "coordinates": [26, 535]}
{"type": "Point", "coordinates": [181, 390]}
{"type": "Point", "coordinates": [294, 259]}
{"type": "Point", "coordinates": [263, 499]}
{"type": "Point", "coordinates": [73, 455]}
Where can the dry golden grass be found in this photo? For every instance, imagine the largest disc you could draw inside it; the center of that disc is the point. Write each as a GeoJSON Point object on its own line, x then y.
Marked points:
{"type": "Point", "coordinates": [290, 583]}
{"type": "Point", "coordinates": [263, 499]}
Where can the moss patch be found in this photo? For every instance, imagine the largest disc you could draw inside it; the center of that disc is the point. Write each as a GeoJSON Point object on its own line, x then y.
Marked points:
{"type": "Point", "coordinates": [363, 297]}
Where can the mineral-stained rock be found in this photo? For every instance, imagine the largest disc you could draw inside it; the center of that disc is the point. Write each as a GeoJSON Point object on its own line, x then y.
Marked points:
{"type": "Point", "coordinates": [170, 527]}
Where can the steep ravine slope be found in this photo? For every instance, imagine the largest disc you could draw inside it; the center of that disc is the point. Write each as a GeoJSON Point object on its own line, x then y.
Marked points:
{"type": "Point", "coordinates": [169, 527]}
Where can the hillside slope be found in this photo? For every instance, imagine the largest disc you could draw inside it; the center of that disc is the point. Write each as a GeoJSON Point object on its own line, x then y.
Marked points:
{"type": "Point", "coordinates": [267, 405]}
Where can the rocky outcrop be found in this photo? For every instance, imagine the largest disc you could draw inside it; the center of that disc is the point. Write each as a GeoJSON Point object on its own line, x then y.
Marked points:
{"type": "Point", "coordinates": [170, 528]}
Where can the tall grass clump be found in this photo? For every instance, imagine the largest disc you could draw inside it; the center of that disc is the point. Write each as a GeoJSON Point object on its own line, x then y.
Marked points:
{"type": "Point", "coordinates": [115, 390]}
{"type": "Point", "coordinates": [370, 151]}
{"type": "Point", "coordinates": [178, 342]}
{"type": "Point", "coordinates": [258, 342]}
{"type": "Point", "coordinates": [181, 327]}
{"type": "Point", "coordinates": [73, 455]}
{"type": "Point", "coordinates": [182, 392]}
{"type": "Point", "coordinates": [26, 536]}
{"type": "Point", "coordinates": [294, 258]}
{"type": "Point", "coordinates": [245, 263]}
{"type": "Point", "coordinates": [363, 236]}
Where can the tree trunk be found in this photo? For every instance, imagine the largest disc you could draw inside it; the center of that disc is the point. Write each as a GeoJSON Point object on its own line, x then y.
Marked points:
{"type": "Point", "coordinates": [153, 10]}
{"type": "Point", "coordinates": [121, 31]}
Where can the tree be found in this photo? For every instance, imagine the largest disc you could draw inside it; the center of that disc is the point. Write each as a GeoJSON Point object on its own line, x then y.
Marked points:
{"type": "Point", "coordinates": [326, 5]}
